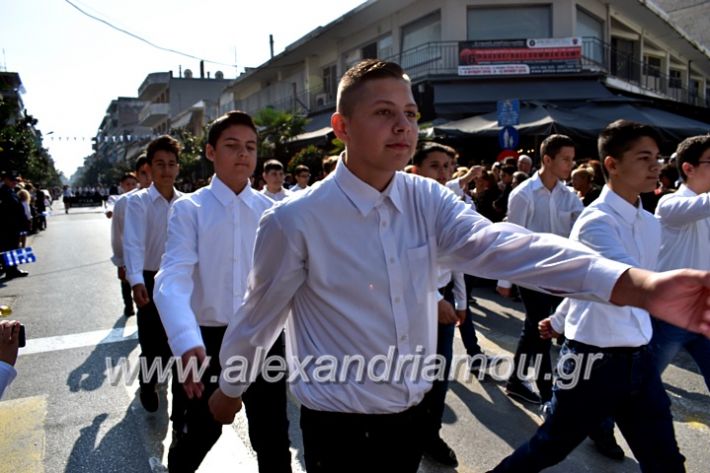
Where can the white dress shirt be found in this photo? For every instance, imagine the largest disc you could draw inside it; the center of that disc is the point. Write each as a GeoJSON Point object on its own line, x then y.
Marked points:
{"type": "Point", "coordinates": [459, 289]}
{"type": "Point", "coordinates": [624, 233]}
{"type": "Point", "coordinates": [7, 375]}
{"type": "Point", "coordinates": [279, 196]}
{"type": "Point", "coordinates": [297, 188]}
{"type": "Point", "coordinates": [533, 206]}
{"type": "Point", "coordinates": [145, 232]}
{"type": "Point", "coordinates": [357, 269]}
{"type": "Point", "coordinates": [685, 220]}
{"type": "Point", "coordinates": [208, 256]}
{"type": "Point", "coordinates": [117, 227]}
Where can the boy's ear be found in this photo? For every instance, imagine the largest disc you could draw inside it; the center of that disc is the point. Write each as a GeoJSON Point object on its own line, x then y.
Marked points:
{"type": "Point", "coordinates": [209, 152]}
{"type": "Point", "coordinates": [340, 126]}
{"type": "Point", "coordinates": [687, 168]}
{"type": "Point", "coordinates": [610, 164]}
{"type": "Point", "coordinates": [546, 160]}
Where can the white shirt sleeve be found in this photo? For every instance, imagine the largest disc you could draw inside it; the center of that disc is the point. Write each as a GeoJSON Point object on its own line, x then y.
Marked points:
{"type": "Point", "coordinates": [134, 234]}
{"type": "Point", "coordinates": [117, 225]}
{"type": "Point", "coordinates": [174, 283]}
{"type": "Point", "coordinates": [460, 299]}
{"type": "Point", "coordinates": [677, 211]}
{"type": "Point", "coordinates": [279, 270]}
{"type": "Point", "coordinates": [518, 208]}
{"type": "Point", "coordinates": [558, 318]}
{"type": "Point", "coordinates": [7, 375]}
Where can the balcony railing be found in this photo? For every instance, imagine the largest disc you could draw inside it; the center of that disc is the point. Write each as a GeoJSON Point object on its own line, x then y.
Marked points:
{"type": "Point", "coordinates": [154, 113]}
{"type": "Point", "coordinates": [441, 58]}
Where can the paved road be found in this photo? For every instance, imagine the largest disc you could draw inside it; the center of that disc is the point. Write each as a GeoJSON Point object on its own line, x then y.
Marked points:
{"type": "Point", "coordinates": [62, 414]}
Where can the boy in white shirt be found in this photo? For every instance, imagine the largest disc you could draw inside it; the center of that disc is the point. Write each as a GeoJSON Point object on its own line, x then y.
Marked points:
{"type": "Point", "coordinates": [303, 176]}
{"type": "Point", "coordinates": [351, 268]}
{"type": "Point", "coordinates": [201, 283]}
{"type": "Point", "coordinates": [274, 177]}
{"type": "Point", "coordinates": [542, 203]}
{"type": "Point", "coordinates": [605, 367]}
{"type": "Point", "coordinates": [685, 220]}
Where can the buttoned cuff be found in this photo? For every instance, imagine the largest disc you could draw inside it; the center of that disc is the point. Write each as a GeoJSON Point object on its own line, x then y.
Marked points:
{"type": "Point", "coordinates": [603, 276]}
{"type": "Point", "coordinates": [233, 390]}
{"type": "Point", "coordinates": [187, 340]}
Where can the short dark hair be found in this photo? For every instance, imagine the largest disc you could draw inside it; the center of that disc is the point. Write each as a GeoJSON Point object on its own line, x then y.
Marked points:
{"type": "Point", "coordinates": [509, 170]}
{"type": "Point", "coordinates": [235, 117]}
{"type": "Point", "coordinates": [553, 144]}
{"type": "Point", "coordinates": [140, 162]}
{"type": "Point", "coordinates": [670, 172]}
{"type": "Point", "coordinates": [301, 168]}
{"type": "Point", "coordinates": [163, 143]}
{"type": "Point", "coordinates": [127, 175]}
{"type": "Point", "coordinates": [273, 165]}
{"type": "Point", "coordinates": [330, 163]}
{"type": "Point", "coordinates": [431, 147]}
{"type": "Point", "coordinates": [690, 150]}
{"type": "Point", "coordinates": [360, 73]}
{"type": "Point", "coordinates": [619, 136]}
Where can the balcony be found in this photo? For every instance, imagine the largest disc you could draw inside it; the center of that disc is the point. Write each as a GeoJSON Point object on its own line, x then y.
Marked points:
{"type": "Point", "coordinates": [153, 113]}
{"type": "Point", "coordinates": [153, 84]}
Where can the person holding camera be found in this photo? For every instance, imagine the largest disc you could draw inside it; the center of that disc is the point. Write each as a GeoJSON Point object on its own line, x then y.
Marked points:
{"type": "Point", "coordinates": [9, 343]}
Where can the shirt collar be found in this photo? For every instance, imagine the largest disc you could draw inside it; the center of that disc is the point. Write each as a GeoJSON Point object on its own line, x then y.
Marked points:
{"type": "Point", "coordinates": [361, 194]}
{"type": "Point", "coordinates": [685, 191]}
{"type": "Point", "coordinates": [154, 194]}
{"type": "Point", "coordinates": [627, 211]}
{"type": "Point", "coordinates": [536, 182]}
{"type": "Point", "coordinates": [226, 196]}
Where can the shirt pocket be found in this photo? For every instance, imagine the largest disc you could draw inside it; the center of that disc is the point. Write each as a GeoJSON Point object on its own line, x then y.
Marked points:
{"type": "Point", "coordinates": [420, 272]}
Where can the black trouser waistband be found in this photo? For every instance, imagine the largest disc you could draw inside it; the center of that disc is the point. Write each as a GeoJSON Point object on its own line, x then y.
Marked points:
{"type": "Point", "coordinates": [579, 346]}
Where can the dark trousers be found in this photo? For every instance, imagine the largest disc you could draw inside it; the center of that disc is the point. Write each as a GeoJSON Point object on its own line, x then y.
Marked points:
{"type": "Point", "coordinates": [127, 296]}
{"type": "Point", "coordinates": [435, 400]}
{"type": "Point", "coordinates": [337, 442]}
{"type": "Point", "coordinates": [156, 351]}
{"type": "Point", "coordinates": [624, 384]}
{"type": "Point", "coordinates": [531, 348]}
{"type": "Point", "coordinates": [265, 405]}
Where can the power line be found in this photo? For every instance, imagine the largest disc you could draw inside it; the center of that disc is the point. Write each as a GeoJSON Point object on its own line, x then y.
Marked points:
{"type": "Point", "coordinates": [139, 38]}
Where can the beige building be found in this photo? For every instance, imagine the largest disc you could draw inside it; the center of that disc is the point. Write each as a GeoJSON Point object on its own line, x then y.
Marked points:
{"type": "Point", "coordinates": [627, 47]}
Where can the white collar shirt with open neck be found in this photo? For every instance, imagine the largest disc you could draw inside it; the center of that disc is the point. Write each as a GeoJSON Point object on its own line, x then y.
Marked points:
{"type": "Point", "coordinates": [352, 271]}
{"type": "Point", "coordinates": [535, 207]}
{"type": "Point", "coordinates": [621, 232]}
{"type": "Point", "coordinates": [208, 256]}
{"type": "Point", "coordinates": [145, 232]}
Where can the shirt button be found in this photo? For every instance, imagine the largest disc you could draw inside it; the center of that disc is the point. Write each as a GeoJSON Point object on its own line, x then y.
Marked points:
{"type": "Point", "coordinates": [403, 338]}
{"type": "Point", "coordinates": [392, 260]}
{"type": "Point", "coordinates": [396, 300]}
{"type": "Point", "coordinates": [384, 223]}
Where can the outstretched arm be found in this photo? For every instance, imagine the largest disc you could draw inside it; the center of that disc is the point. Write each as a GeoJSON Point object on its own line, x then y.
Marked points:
{"type": "Point", "coordinates": [680, 297]}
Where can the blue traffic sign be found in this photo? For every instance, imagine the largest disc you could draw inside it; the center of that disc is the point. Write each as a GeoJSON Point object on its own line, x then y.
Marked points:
{"type": "Point", "coordinates": [508, 112]}
{"type": "Point", "coordinates": [508, 137]}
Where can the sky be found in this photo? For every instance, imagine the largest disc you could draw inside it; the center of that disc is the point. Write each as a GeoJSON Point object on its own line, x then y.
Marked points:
{"type": "Point", "coordinates": [72, 66]}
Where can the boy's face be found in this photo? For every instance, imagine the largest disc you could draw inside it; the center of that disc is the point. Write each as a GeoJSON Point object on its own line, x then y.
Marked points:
{"type": "Point", "coordinates": [638, 169]}
{"type": "Point", "coordinates": [698, 175]}
{"type": "Point", "coordinates": [380, 133]}
{"type": "Point", "coordinates": [562, 163]}
{"type": "Point", "coordinates": [302, 178]}
{"type": "Point", "coordinates": [437, 166]}
{"type": "Point", "coordinates": [274, 179]}
{"type": "Point", "coordinates": [234, 156]}
{"type": "Point", "coordinates": [580, 181]}
{"type": "Point", "coordinates": [164, 168]}
{"type": "Point", "coordinates": [128, 184]}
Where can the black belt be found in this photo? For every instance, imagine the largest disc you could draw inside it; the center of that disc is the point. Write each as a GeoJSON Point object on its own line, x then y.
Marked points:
{"type": "Point", "coordinates": [583, 347]}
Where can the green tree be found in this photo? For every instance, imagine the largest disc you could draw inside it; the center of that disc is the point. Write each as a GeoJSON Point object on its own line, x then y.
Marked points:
{"type": "Point", "coordinates": [311, 156]}
{"type": "Point", "coordinates": [276, 128]}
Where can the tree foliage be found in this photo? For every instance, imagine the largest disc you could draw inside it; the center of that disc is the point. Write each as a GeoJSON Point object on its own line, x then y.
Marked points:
{"type": "Point", "coordinates": [21, 147]}
{"type": "Point", "coordinates": [275, 129]}
{"type": "Point", "coordinates": [311, 156]}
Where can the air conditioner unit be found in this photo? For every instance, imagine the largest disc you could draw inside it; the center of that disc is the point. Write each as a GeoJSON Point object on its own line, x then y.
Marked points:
{"type": "Point", "coordinates": [321, 100]}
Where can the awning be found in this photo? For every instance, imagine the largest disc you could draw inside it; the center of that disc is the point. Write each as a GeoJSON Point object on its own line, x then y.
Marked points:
{"type": "Point", "coordinates": [462, 97]}
{"type": "Point", "coordinates": [672, 127]}
{"type": "Point", "coordinates": [537, 119]}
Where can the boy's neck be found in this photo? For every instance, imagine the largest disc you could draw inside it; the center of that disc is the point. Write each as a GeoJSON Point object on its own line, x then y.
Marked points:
{"type": "Point", "coordinates": [629, 196]}
{"type": "Point", "coordinates": [166, 191]}
{"type": "Point", "coordinates": [274, 190]}
{"type": "Point", "coordinates": [548, 179]}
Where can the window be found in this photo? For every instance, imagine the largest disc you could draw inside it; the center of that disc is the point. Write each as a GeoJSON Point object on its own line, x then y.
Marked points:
{"type": "Point", "coordinates": [591, 30]}
{"type": "Point", "coordinates": [422, 31]}
{"type": "Point", "coordinates": [384, 47]}
{"type": "Point", "coordinates": [510, 22]}
{"type": "Point", "coordinates": [330, 81]}
{"type": "Point", "coordinates": [675, 80]}
{"type": "Point", "coordinates": [652, 66]}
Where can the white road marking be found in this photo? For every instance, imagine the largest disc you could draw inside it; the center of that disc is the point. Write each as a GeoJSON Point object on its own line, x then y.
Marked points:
{"type": "Point", "coordinates": [79, 340]}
